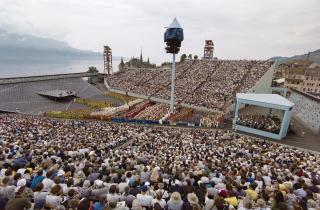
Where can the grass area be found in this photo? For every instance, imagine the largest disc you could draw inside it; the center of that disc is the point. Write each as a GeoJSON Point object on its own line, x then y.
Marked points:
{"type": "Point", "coordinates": [94, 104]}
{"type": "Point", "coordinates": [124, 98]}
{"type": "Point", "coordinates": [80, 114]}
{"type": "Point", "coordinates": [74, 114]}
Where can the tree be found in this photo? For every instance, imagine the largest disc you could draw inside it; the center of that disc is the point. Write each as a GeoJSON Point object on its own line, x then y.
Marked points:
{"type": "Point", "coordinates": [122, 63]}
{"type": "Point", "coordinates": [190, 56]}
{"type": "Point", "coordinates": [94, 79]}
{"type": "Point", "coordinates": [92, 69]}
{"type": "Point", "coordinates": [148, 61]}
{"type": "Point", "coordinates": [195, 57]}
{"type": "Point", "coordinates": [183, 57]}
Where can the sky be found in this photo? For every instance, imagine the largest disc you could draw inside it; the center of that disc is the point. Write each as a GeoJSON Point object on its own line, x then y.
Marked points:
{"type": "Point", "coordinates": [240, 29]}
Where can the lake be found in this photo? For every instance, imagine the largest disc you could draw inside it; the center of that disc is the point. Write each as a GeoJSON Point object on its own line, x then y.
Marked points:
{"type": "Point", "coordinates": [20, 69]}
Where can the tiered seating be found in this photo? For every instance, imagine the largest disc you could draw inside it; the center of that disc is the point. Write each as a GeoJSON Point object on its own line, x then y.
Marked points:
{"type": "Point", "coordinates": [210, 84]}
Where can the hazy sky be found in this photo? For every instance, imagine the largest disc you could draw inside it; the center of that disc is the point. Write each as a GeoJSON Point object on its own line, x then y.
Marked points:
{"type": "Point", "coordinates": [239, 28]}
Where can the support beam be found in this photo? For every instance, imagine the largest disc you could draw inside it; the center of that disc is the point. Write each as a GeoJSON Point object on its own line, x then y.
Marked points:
{"type": "Point", "coordinates": [173, 77]}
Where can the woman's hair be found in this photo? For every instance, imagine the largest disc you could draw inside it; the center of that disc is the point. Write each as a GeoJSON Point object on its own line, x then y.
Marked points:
{"type": "Point", "coordinates": [56, 190]}
{"type": "Point", "coordinates": [113, 189]}
{"type": "Point", "coordinates": [57, 180]}
{"type": "Point", "coordinates": [278, 197]}
{"type": "Point", "coordinates": [157, 206]}
{"type": "Point", "coordinates": [39, 187]}
{"type": "Point", "coordinates": [112, 205]}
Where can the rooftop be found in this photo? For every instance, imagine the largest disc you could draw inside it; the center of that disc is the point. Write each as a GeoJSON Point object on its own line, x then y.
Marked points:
{"type": "Point", "coordinates": [273, 99]}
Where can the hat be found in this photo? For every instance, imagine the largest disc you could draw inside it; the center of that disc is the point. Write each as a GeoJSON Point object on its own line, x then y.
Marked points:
{"type": "Point", "coordinates": [21, 183]}
{"type": "Point", "coordinates": [147, 183]}
{"type": "Point", "coordinates": [192, 198]}
{"type": "Point", "coordinates": [175, 197]}
{"type": "Point", "coordinates": [60, 173]}
{"type": "Point", "coordinates": [261, 203]}
{"type": "Point", "coordinates": [98, 183]}
{"type": "Point", "coordinates": [223, 193]}
{"type": "Point", "coordinates": [86, 184]}
{"type": "Point", "coordinates": [205, 180]}
{"type": "Point", "coordinates": [144, 188]}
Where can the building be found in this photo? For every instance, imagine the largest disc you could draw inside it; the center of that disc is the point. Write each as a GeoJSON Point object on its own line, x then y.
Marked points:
{"type": "Point", "coordinates": [303, 75]}
{"type": "Point", "coordinates": [311, 83]}
{"type": "Point", "coordinates": [306, 80]}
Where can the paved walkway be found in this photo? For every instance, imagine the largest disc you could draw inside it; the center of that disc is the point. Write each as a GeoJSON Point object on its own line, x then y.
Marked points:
{"type": "Point", "coordinates": [305, 138]}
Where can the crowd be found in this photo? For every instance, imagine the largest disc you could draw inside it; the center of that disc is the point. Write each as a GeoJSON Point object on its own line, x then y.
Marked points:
{"type": "Point", "coordinates": [52, 164]}
{"type": "Point", "coordinates": [154, 112]}
{"type": "Point", "coordinates": [269, 123]}
{"type": "Point", "coordinates": [213, 120]}
{"type": "Point", "coordinates": [208, 83]}
{"type": "Point", "coordinates": [307, 108]}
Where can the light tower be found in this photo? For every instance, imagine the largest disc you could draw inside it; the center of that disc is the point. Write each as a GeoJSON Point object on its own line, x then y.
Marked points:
{"type": "Point", "coordinates": [107, 55]}
{"type": "Point", "coordinates": [173, 38]}
{"type": "Point", "coordinates": [208, 49]}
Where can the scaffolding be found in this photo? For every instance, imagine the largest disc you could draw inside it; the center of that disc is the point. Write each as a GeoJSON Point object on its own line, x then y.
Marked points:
{"type": "Point", "coordinates": [107, 55]}
{"type": "Point", "coordinates": [208, 49]}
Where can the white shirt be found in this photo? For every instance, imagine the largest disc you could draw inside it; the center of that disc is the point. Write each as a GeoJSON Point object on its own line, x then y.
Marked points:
{"type": "Point", "coordinates": [47, 184]}
{"type": "Point", "coordinates": [267, 180]}
{"type": "Point", "coordinates": [145, 200]}
{"type": "Point", "coordinates": [122, 186]}
{"type": "Point", "coordinates": [53, 200]}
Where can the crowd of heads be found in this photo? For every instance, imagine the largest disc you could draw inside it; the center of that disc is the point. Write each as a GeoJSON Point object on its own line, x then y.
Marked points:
{"type": "Point", "coordinates": [208, 83]}
{"type": "Point", "coordinates": [268, 123]}
{"type": "Point", "coordinates": [307, 108]}
{"type": "Point", "coordinates": [69, 164]}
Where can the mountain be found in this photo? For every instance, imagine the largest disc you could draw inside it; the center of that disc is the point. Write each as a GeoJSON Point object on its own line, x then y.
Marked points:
{"type": "Point", "coordinates": [16, 47]}
{"type": "Point", "coordinates": [313, 56]}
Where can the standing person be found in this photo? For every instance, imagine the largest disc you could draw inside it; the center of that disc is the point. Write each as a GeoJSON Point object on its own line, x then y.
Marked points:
{"type": "Point", "coordinates": [101, 203]}
{"type": "Point", "coordinates": [39, 197]}
{"type": "Point", "coordinates": [175, 202]}
{"type": "Point", "coordinates": [144, 198]}
{"type": "Point", "coordinates": [54, 198]}
{"type": "Point", "coordinates": [192, 202]}
{"type": "Point", "coordinates": [18, 204]}
{"type": "Point", "coordinates": [159, 200]}
{"type": "Point", "coordinates": [37, 179]}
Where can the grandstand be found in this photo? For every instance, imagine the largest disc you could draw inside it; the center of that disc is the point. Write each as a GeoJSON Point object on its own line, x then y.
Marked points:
{"type": "Point", "coordinates": [206, 85]}
{"type": "Point", "coordinates": [307, 109]}
{"type": "Point", "coordinates": [28, 97]}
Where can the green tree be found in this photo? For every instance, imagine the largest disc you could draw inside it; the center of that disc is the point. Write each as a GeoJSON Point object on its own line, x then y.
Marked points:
{"type": "Point", "coordinates": [195, 57]}
{"type": "Point", "coordinates": [190, 56]}
{"type": "Point", "coordinates": [122, 63]}
{"type": "Point", "coordinates": [92, 69]}
{"type": "Point", "coordinates": [183, 57]}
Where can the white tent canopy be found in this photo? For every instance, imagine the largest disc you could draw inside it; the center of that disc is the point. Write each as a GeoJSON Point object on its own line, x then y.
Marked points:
{"type": "Point", "coordinates": [271, 101]}
{"type": "Point", "coordinates": [267, 99]}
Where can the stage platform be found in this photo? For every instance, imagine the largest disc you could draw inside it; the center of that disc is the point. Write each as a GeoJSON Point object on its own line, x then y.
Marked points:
{"type": "Point", "coordinates": [58, 94]}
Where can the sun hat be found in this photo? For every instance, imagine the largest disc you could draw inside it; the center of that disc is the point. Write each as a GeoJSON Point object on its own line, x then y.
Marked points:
{"type": "Point", "coordinates": [144, 188]}
{"type": "Point", "coordinates": [21, 183]}
{"type": "Point", "coordinates": [175, 197]}
{"type": "Point", "coordinates": [192, 198]}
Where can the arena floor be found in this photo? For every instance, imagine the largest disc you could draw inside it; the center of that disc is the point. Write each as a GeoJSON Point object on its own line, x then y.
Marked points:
{"type": "Point", "coordinates": [24, 97]}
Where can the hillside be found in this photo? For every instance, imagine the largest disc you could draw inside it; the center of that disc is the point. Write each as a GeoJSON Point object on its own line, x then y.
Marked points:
{"type": "Point", "coordinates": [314, 56]}
{"type": "Point", "coordinates": [16, 47]}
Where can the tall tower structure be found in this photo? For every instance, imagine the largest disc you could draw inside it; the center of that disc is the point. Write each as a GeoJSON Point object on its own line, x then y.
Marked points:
{"type": "Point", "coordinates": [107, 55]}
{"type": "Point", "coordinates": [208, 49]}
